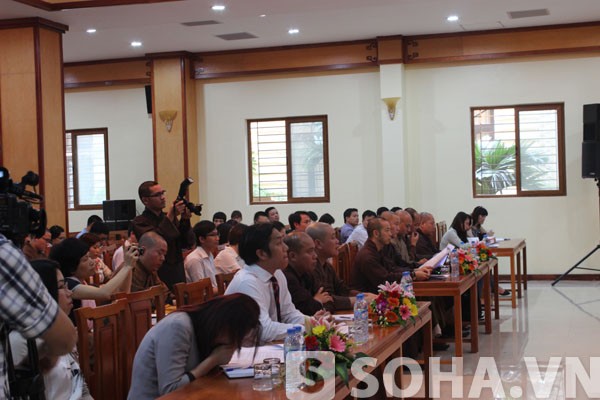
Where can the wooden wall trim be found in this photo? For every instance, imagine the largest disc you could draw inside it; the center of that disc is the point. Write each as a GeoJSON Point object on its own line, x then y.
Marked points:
{"type": "Point", "coordinates": [96, 74]}
{"type": "Point", "coordinates": [505, 43]}
{"type": "Point", "coordinates": [33, 22]}
{"type": "Point", "coordinates": [39, 108]}
{"type": "Point", "coordinates": [351, 55]}
{"type": "Point", "coordinates": [331, 56]}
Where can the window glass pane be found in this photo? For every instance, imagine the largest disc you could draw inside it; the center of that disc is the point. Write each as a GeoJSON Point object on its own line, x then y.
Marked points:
{"type": "Point", "coordinates": [269, 161]}
{"type": "Point", "coordinates": [495, 152]}
{"type": "Point", "coordinates": [70, 191]}
{"type": "Point", "coordinates": [308, 178]}
{"type": "Point", "coordinates": [91, 169]}
{"type": "Point", "coordinates": [538, 140]}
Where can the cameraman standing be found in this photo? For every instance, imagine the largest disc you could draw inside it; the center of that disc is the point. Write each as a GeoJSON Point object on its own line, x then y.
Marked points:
{"type": "Point", "coordinates": [27, 307]}
{"type": "Point", "coordinates": [174, 230]}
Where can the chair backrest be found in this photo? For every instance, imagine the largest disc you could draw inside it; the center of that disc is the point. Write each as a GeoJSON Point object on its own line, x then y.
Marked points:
{"type": "Point", "coordinates": [342, 261]}
{"type": "Point", "coordinates": [223, 280]}
{"type": "Point", "coordinates": [193, 293]}
{"type": "Point", "coordinates": [139, 319]}
{"type": "Point", "coordinates": [106, 373]}
{"type": "Point", "coordinates": [440, 230]}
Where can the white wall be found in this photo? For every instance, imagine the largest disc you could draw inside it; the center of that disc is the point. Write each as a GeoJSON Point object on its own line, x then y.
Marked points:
{"type": "Point", "coordinates": [123, 112]}
{"type": "Point", "coordinates": [352, 104]}
{"type": "Point", "coordinates": [559, 230]}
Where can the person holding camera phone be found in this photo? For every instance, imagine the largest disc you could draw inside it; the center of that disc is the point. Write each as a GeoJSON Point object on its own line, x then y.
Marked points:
{"type": "Point", "coordinates": [152, 249]}
{"type": "Point", "coordinates": [174, 226]}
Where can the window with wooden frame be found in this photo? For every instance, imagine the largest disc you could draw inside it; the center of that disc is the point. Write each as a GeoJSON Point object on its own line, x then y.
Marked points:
{"type": "Point", "coordinates": [518, 150]}
{"type": "Point", "coordinates": [288, 160]}
{"type": "Point", "coordinates": [87, 168]}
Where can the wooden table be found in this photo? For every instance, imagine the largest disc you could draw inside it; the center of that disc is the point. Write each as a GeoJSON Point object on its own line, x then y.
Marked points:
{"type": "Point", "coordinates": [516, 249]}
{"type": "Point", "coordinates": [383, 344]}
{"type": "Point", "coordinates": [455, 288]}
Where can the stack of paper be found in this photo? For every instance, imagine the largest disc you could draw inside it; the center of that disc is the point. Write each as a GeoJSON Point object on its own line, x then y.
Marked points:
{"type": "Point", "coordinates": [240, 365]}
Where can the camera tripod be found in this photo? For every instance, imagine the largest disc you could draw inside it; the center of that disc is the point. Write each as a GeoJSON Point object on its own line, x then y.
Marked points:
{"type": "Point", "coordinates": [576, 266]}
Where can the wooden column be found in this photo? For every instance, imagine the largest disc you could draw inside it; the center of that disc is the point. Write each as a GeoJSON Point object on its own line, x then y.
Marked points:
{"type": "Point", "coordinates": [32, 108]}
{"type": "Point", "coordinates": [175, 152]}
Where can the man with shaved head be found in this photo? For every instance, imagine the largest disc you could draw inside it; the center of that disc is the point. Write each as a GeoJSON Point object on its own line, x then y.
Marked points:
{"type": "Point", "coordinates": [326, 247]}
{"type": "Point", "coordinates": [154, 249]}
{"type": "Point", "coordinates": [426, 247]}
{"type": "Point", "coordinates": [307, 296]}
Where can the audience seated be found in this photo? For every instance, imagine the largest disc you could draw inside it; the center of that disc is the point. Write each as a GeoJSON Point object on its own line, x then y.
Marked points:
{"type": "Point", "coordinates": [324, 276]}
{"type": "Point", "coordinates": [200, 264]}
{"type": "Point", "coordinates": [62, 376]}
{"type": "Point", "coordinates": [153, 249]}
{"type": "Point", "coordinates": [73, 256]}
{"type": "Point", "coordinates": [272, 214]}
{"type": "Point", "coordinates": [327, 218]}
{"type": "Point", "coordinates": [299, 220]}
{"type": "Point", "coordinates": [228, 260]}
{"type": "Point", "coordinates": [117, 258]}
{"type": "Point", "coordinates": [374, 263]}
{"type": "Point", "coordinates": [407, 238]}
{"type": "Point", "coordinates": [104, 273]}
{"type": "Point", "coordinates": [359, 234]}
{"type": "Point", "coordinates": [236, 215]}
{"type": "Point", "coordinates": [35, 246]}
{"type": "Point", "coordinates": [313, 216]}
{"type": "Point", "coordinates": [264, 253]}
{"type": "Point", "coordinates": [260, 217]}
{"type": "Point", "coordinates": [350, 222]}
{"type": "Point", "coordinates": [457, 233]}
{"type": "Point", "coordinates": [57, 234]}
{"type": "Point", "coordinates": [302, 258]}
{"type": "Point", "coordinates": [189, 344]}
{"type": "Point", "coordinates": [90, 221]}
{"type": "Point", "coordinates": [381, 210]}
{"type": "Point", "coordinates": [223, 231]}
{"type": "Point", "coordinates": [219, 218]}
{"type": "Point", "coordinates": [426, 247]}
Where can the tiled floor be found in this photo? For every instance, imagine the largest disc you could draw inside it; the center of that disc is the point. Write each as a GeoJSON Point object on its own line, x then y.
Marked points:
{"type": "Point", "coordinates": [551, 325]}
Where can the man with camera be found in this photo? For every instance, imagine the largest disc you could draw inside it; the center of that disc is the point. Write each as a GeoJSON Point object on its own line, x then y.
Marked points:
{"type": "Point", "coordinates": [173, 226]}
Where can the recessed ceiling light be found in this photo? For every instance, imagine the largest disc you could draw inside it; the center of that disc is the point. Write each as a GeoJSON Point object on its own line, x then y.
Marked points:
{"type": "Point", "coordinates": [218, 7]}
{"type": "Point", "coordinates": [262, 15]}
{"type": "Point", "coordinates": [294, 31]}
{"type": "Point", "coordinates": [452, 18]}
{"type": "Point", "coordinates": [136, 44]}
{"type": "Point", "coordinates": [91, 30]}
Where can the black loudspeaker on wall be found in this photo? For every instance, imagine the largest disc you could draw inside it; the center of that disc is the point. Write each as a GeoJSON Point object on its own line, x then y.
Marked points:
{"type": "Point", "coordinates": [590, 148]}
{"type": "Point", "coordinates": [118, 210]}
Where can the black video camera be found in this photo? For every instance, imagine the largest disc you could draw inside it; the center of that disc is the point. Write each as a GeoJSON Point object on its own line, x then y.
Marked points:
{"type": "Point", "coordinates": [196, 209]}
{"type": "Point", "coordinates": [19, 218]}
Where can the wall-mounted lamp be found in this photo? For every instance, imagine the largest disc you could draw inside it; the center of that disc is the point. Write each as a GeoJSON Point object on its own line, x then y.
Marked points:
{"type": "Point", "coordinates": [167, 117]}
{"type": "Point", "coordinates": [391, 102]}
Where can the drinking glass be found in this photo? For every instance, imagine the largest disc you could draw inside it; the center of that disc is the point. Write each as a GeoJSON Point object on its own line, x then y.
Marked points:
{"type": "Point", "coordinates": [262, 377]}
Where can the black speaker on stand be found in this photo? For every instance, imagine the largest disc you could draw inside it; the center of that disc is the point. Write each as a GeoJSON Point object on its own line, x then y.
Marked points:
{"type": "Point", "coordinates": [118, 213]}
{"type": "Point", "coordinates": [590, 165]}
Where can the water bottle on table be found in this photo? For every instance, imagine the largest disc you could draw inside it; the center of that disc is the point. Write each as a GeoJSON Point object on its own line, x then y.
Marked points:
{"type": "Point", "coordinates": [360, 329]}
{"type": "Point", "coordinates": [293, 357]}
{"type": "Point", "coordinates": [407, 283]}
{"type": "Point", "coordinates": [454, 267]}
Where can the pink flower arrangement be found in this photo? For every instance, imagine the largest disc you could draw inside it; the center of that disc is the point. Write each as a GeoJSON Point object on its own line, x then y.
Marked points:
{"type": "Point", "coordinates": [467, 262]}
{"type": "Point", "coordinates": [393, 305]}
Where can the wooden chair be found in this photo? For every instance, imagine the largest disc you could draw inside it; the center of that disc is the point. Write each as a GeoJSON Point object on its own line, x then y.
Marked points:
{"type": "Point", "coordinates": [193, 293]}
{"type": "Point", "coordinates": [139, 318]}
{"type": "Point", "coordinates": [223, 280]}
{"type": "Point", "coordinates": [341, 262]}
{"type": "Point", "coordinates": [106, 376]}
{"type": "Point", "coordinates": [440, 230]}
{"type": "Point", "coordinates": [352, 251]}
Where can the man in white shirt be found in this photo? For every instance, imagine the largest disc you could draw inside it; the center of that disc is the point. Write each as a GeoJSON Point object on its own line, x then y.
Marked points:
{"type": "Point", "coordinates": [264, 252]}
{"type": "Point", "coordinates": [359, 234]}
{"type": "Point", "coordinates": [200, 264]}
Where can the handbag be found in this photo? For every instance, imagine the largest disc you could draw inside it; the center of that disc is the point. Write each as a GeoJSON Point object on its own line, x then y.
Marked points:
{"type": "Point", "coordinates": [24, 383]}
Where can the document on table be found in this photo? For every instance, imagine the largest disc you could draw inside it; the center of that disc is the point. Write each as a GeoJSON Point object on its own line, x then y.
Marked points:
{"type": "Point", "coordinates": [437, 260]}
{"type": "Point", "coordinates": [241, 364]}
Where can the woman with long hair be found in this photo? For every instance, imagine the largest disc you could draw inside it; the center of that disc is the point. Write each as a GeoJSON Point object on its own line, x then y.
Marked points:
{"type": "Point", "coordinates": [478, 216]}
{"type": "Point", "coordinates": [457, 233]}
{"type": "Point", "coordinates": [190, 342]}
